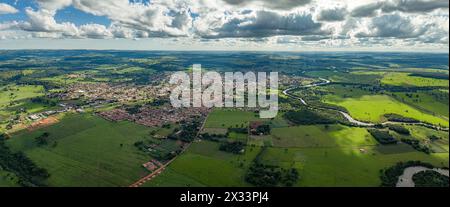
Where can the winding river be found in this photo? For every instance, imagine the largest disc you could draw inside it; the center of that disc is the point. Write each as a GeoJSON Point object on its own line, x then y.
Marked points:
{"type": "Point", "coordinates": [406, 180]}
{"type": "Point", "coordinates": [347, 116]}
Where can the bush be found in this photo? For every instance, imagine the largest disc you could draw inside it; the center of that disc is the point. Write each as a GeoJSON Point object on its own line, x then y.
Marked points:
{"type": "Point", "coordinates": [417, 145]}
{"type": "Point", "coordinates": [307, 117]}
{"type": "Point", "coordinates": [383, 137]}
{"type": "Point", "coordinates": [399, 129]}
{"type": "Point", "coordinates": [238, 130]}
{"type": "Point", "coordinates": [43, 139]}
{"type": "Point", "coordinates": [262, 175]}
{"type": "Point", "coordinates": [26, 170]}
{"type": "Point", "coordinates": [430, 178]}
{"type": "Point", "coordinates": [400, 118]}
{"type": "Point", "coordinates": [389, 177]}
{"type": "Point", "coordinates": [232, 147]}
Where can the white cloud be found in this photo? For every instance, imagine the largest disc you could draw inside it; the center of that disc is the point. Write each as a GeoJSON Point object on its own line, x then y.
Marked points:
{"type": "Point", "coordinates": [7, 9]}
{"type": "Point", "coordinates": [230, 22]}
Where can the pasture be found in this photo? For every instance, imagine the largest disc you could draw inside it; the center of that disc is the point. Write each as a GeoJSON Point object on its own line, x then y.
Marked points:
{"type": "Point", "coordinates": [223, 118]}
{"type": "Point", "coordinates": [343, 167]}
{"type": "Point", "coordinates": [87, 151]}
{"type": "Point", "coordinates": [406, 80]}
{"type": "Point", "coordinates": [8, 179]}
{"type": "Point", "coordinates": [11, 93]}
{"type": "Point", "coordinates": [205, 165]}
{"type": "Point", "coordinates": [433, 102]}
{"type": "Point", "coordinates": [371, 108]}
{"type": "Point", "coordinates": [320, 136]}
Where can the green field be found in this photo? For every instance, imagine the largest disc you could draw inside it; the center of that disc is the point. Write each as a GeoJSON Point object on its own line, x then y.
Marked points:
{"type": "Point", "coordinates": [321, 136]}
{"type": "Point", "coordinates": [17, 92]}
{"type": "Point", "coordinates": [222, 118]}
{"type": "Point", "coordinates": [405, 80]}
{"type": "Point", "coordinates": [204, 165]}
{"type": "Point", "coordinates": [434, 102]}
{"type": "Point", "coordinates": [343, 167]}
{"type": "Point", "coordinates": [371, 108]}
{"type": "Point", "coordinates": [8, 179]}
{"type": "Point", "coordinates": [338, 156]}
{"type": "Point", "coordinates": [89, 151]}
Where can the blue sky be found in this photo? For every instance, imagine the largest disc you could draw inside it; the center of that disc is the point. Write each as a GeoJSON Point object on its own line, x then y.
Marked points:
{"type": "Point", "coordinates": [68, 14]}
{"type": "Point", "coordinates": [226, 24]}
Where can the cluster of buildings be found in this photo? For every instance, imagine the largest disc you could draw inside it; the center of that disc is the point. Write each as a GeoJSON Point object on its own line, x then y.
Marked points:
{"type": "Point", "coordinates": [156, 117]}
{"type": "Point", "coordinates": [45, 114]}
{"type": "Point", "coordinates": [152, 165]}
{"type": "Point", "coordinates": [113, 93]}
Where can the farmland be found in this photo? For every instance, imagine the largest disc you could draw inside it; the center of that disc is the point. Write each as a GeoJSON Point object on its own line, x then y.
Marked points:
{"type": "Point", "coordinates": [13, 93]}
{"type": "Point", "coordinates": [321, 137]}
{"type": "Point", "coordinates": [343, 166]}
{"type": "Point", "coordinates": [405, 79]}
{"type": "Point", "coordinates": [367, 108]}
{"type": "Point", "coordinates": [204, 165]}
{"type": "Point", "coordinates": [89, 151]}
{"type": "Point", "coordinates": [104, 118]}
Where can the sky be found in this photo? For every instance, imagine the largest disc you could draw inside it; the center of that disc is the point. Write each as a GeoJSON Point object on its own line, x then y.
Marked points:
{"type": "Point", "coordinates": [282, 25]}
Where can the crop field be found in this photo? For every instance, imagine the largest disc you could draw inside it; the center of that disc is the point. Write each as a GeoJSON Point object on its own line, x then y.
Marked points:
{"type": "Point", "coordinates": [405, 79]}
{"type": "Point", "coordinates": [87, 151]}
{"type": "Point", "coordinates": [372, 108]}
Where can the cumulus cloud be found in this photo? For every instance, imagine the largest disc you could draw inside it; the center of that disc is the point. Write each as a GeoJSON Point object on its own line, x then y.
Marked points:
{"type": "Point", "coordinates": [394, 26]}
{"type": "Point", "coordinates": [334, 14]}
{"type": "Point", "coordinates": [407, 6]}
{"type": "Point", "coordinates": [414, 6]}
{"type": "Point", "coordinates": [53, 5]}
{"type": "Point", "coordinates": [280, 4]}
{"type": "Point", "coordinates": [7, 9]}
{"type": "Point", "coordinates": [156, 19]}
{"type": "Point", "coordinates": [368, 10]}
{"type": "Point", "coordinates": [260, 24]}
{"type": "Point", "coordinates": [293, 22]}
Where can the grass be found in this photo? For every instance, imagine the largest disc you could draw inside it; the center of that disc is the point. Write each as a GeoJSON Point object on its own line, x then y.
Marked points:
{"type": "Point", "coordinates": [222, 118]}
{"type": "Point", "coordinates": [90, 151]}
{"type": "Point", "coordinates": [342, 167]}
{"type": "Point", "coordinates": [404, 79]}
{"type": "Point", "coordinates": [435, 102]}
{"type": "Point", "coordinates": [260, 141]}
{"type": "Point", "coordinates": [423, 134]}
{"type": "Point", "coordinates": [171, 178]}
{"type": "Point", "coordinates": [16, 92]}
{"type": "Point", "coordinates": [238, 137]}
{"type": "Point", "coordinates": [321, 136]}
{"type": "Point", "coordinates": [216, 131]}
{"type": "Point", "coordinates": [8, 179]}
{"type": "Point", "coordinates": [371, 108]}
{"type": "Point", "coordinates": [204, 165]}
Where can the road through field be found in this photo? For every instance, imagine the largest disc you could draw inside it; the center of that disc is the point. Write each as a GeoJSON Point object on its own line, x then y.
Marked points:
{"type": "Point", "coordinates": [152, 175]}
